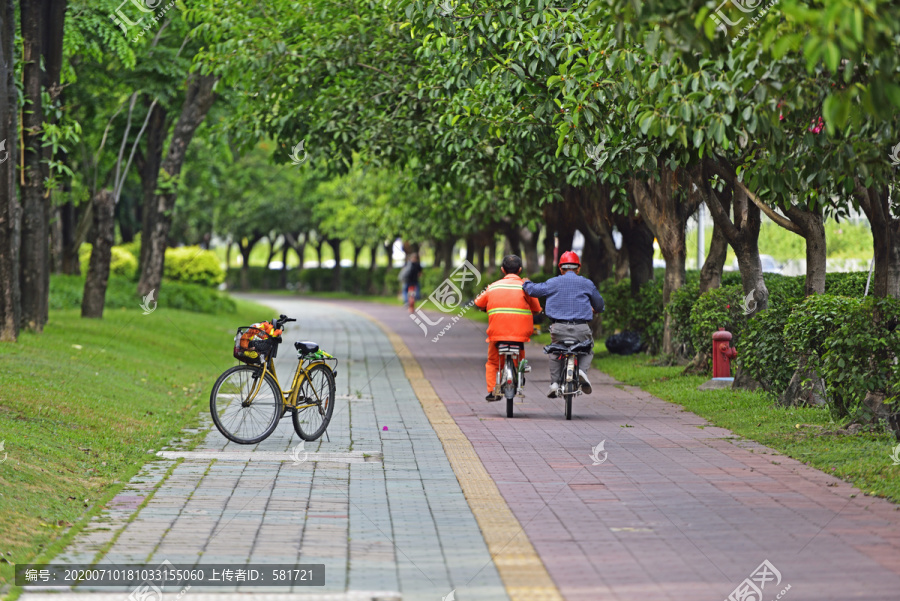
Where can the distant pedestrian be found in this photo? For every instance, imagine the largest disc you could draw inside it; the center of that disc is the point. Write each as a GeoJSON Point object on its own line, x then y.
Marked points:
{"type": "Point", "coordinates": [409, 279]}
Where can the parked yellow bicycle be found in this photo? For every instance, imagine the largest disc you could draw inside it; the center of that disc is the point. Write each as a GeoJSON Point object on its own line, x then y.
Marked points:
{"type": "Point", "coordinates": [247, 401]}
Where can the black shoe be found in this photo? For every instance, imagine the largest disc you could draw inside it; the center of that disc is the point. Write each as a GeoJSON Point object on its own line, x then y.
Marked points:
{"type": "Point", "coordinates": [490, 398]}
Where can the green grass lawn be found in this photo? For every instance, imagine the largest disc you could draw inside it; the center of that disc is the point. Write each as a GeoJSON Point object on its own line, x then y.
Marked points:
{"type": "Point", "coordinates": [806, 434]}
{"type": "Point", "coordinates": [83, 403]}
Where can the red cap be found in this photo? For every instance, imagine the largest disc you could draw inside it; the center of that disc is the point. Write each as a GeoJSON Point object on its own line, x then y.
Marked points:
{"type": "Point", "coordinates": [569, 258]}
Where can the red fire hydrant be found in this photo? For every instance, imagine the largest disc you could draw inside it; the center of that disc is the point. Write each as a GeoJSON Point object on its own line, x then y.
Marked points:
{"type": "Point", "coordinates": [723, 353]}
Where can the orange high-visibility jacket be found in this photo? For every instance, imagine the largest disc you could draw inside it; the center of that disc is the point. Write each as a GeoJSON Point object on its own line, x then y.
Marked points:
{"type": "Point", "coordinates": [509, 310]}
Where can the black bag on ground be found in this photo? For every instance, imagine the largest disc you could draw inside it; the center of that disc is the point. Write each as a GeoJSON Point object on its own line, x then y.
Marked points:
{"type": "Point", "coordinates": [625, 343]}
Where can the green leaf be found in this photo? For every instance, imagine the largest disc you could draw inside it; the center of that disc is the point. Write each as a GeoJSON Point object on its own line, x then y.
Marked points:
{"type": "Point", "coordinates": [651, 41]}
{"type": "Point", "coordinates": [892, 91]}
{"type": "Point", "coordinates": [832, 56]}
{"type": "Point", "coordinates": [835, 111]}
{"type": "Point", "coordinates": [856, 24]}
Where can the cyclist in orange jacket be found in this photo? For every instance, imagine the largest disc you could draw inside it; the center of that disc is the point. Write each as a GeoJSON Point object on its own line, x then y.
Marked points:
{"type": "Point", "coordinates": [510, 316]}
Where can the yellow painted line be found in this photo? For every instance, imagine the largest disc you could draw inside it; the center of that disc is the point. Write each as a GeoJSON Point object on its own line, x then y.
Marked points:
{"type": "Point", "coordinates": [521, 569]}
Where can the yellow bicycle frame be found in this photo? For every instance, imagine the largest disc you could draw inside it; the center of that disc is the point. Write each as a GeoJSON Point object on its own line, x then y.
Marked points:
{"type": "Point", "coordinates": [288, 397]}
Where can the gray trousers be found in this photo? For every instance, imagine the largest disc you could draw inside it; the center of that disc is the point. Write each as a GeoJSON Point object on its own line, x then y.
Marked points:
{"type": "Point", "coordinates": [569, 331]}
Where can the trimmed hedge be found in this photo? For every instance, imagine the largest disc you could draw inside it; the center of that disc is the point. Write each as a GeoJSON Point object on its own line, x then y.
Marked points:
{"type": "Point", "coordinates": [850, 342]}
{"type": "Point", "coordinates": [853, 344]}
{"type": "Point", "coordinates": [763, 352]}
{"type": "Point", "coordinates": [189, 264]}
{"type": "Point", "coordinates": [643, 314]}
{"type": "Point", "coordinates": [317, 279]}
{"type": "Point", "coordinates": [194, 265]}
{"type": "Point", "coordinates": [66, 292]}
{"type": "Point", "coordinates": [356, 280]}
{"type": "Point", "coordinates": [693, 331]}
{"type": "Point", "coordinates": [122, 264]}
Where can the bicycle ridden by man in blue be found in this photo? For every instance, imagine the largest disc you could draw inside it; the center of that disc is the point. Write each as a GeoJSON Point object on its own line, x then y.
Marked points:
{"type": "Point", "coordinates": [571, 301]}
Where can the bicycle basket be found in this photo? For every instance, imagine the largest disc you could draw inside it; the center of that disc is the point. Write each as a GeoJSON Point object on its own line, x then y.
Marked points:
{"type": "Point", "coordinates": [251, 343]}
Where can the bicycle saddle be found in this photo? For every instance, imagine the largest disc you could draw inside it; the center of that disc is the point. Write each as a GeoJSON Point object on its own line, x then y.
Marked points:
{"type": "Point", "coordinates": [306, 348]}
{"type": "Point", "coordinates": [570, 346]}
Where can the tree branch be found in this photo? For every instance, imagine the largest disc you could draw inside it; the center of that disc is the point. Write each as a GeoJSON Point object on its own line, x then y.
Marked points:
{"type": "Point", "coordinates": [769, 211]}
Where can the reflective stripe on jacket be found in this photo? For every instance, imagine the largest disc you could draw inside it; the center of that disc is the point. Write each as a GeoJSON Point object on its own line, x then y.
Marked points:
{"type": "Point", "coordinates": [509, 310]}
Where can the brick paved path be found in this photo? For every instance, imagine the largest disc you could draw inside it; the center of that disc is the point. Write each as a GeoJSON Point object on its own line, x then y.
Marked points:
{"type": "Point", "coordinates": [678, 511]}
{"type": "Point", "coordinates": [384, 529]}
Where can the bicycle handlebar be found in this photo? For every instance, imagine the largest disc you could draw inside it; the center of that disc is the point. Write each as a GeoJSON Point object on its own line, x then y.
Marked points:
{"type": "Point", "coordinates": [283, 319]}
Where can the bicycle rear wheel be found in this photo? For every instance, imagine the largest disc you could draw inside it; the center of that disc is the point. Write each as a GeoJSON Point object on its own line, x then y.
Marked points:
{"type": "Point", "coordinates": [318, 387]}
{"type": "Point", "coordinates": [238, 420]}
{"type": "Point", "coordinates": [509, 386]}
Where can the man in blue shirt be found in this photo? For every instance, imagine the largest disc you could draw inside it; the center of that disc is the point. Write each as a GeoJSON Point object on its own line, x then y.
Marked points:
{"type": "Point", "coordinates": [571, 303]}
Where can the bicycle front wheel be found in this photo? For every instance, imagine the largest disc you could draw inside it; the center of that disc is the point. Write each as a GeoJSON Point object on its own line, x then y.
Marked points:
{"type": "Point", "coordinates": [239, 417]}
{"type": "Point", "coordinates": [317, 390]}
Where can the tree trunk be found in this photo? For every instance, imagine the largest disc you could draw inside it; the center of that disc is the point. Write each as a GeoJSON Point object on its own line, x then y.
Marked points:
{"type": "Point", "coordinates": [470, 249]}
{"type": "Point", "coordinates": [198, 100]}
{"type": "Point", "coordinates": [742, 233]}
{"type": "Point", "coordinates": [746, 248]}
{"type": "Point", "coordinates": [479, 253]}
{"type": "Point", "coordinates": [549, 241]}
{"type": "Point", "coordinates": [492, 252]}
{"type": "Point", "coordinates": [885, 238]}
{"type": "Point", "coordinates": [94, 298]}
{"type": "Point", "coordinates": [319, 245]}
{"type": "Point", "coordinates": [245, 264]}
{"type": "Point", "coordinates": [530, 248]}
{"type": "Point", "coordinates": [69, 223]}
{"type": "Point", "coordinates": [513, 240]}
{"type": "Point", "coordinates": [666, 212]}
{"type": "Point", "coordinates": [637, 244]}
{"type": "Point", "coordinates": [599, 248]}
{"type": "Point", "coordinates": [53, 13]}
{"type": "Point", "coordinates": [446, 248]}
{"type": "Point", "coordinates": [335, 245]}
{"type": "Point", "coordinates": [284, 267]}
{"type": "Point", "coordinates": [806, 388]}
{"type": "Point", "coordinates": [35, 259]}
{"type": "Point", "coordinates": [56, 244]}
{"type": "Point", "coordinates": [228, 256]}
{"type": "Point", "coordinates": [157, 128]}
{"type": "Point", "coordinates": [711, 273]}
{"type": "Point", "coordinates": [812, 228]}
{"type": "Point", "coordinates": [10, 210]}
{"type": "Point", "coordinates": [272, 240]}
{"type": "Point", "coordinates": [370, 275]}
{"type": "Point", "coordinates": [357, 249]}
{"type": "Point", "coordinates": [566, 237]}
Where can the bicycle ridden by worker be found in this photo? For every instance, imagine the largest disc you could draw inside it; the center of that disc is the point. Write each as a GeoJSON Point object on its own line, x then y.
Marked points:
{"type": "Point", "coordinates": [510, 316]}
{"type": "Point", "coordinates": [571, 301]}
